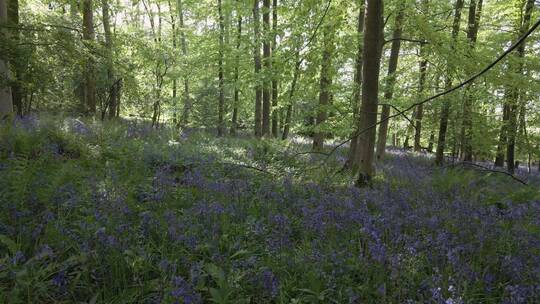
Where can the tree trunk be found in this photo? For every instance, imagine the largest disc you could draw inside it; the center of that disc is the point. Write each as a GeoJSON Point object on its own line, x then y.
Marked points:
{"type": "Point", "coordinates": [389, 88]}
{"type": "Point", "coordinates": [475, 11]}
{"type": "Point", "coordinates": [221, 109]}
{"type": "Point", "coordinates": [445, 111]}
{"type": "Point", "coordinates": [267, 61]}
{"type": "Point", "coordinates": [373, 39]}
{"type": "Point", "coordinates": [175, 81]}
{"type": "Point", "coordinates": [183, 45]}
{"type": "Point", "coordinates": [324, 93]}
{"type": "Point", "coordinates": [234, 122]}
{"type": "Point", "coordinates": [431, 142]}
{"type": "Point", "coordinates": [257, 61]}
{"type": "Point", "coordinates": [17, 68]}
{"type": "Point", "coordinates": [89, 73]}
{"type": "Point", "coordinates": [419, 113]}
{"type": "Point", "coordinates": [515, 95]}
{"type": "Point", "coordinates": [352, 157]}
{"type": "Point", "coordinates": [499, 159]}
{"type": "Point", "coordinates": [111, 84]}
{"type": "Point", "coordinates": [288, 117]}
{"type": "Point", "coordinates": [275, 112]}
{"type": "Point", "coordinates": [6, 98]}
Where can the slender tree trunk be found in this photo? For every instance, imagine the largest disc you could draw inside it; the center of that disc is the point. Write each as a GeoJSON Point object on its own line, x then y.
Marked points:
{"type": "Point", "coordinates": [110, 64]}
{"type": "Point", "coordinates": [267, 61]}
{"type": "Point", "coordinates": [419, 110]}
{"type": "Point", "coordinates": [175, 80]}
{"type": "Point", "coordinates": [389, 88]}
{"type": "Point", "coordinates": [516, 95]}
{"type": "Point", "coordinates": [373, 39]}
{"type": "Point", "coordinates": [352, 157]}
{"type": "Point", "coordinates": [431, 142]}
{"type": "Point", "coordinates": [499, 159]}
{"type": "Point", "coordinates": [288, 117]}
{"type": "Point", "coordinates": [89, 73]}
{"type": "Point", "coordinates": [183, 45]}
{"type": "Point", "coordinates": [257, 64]}
{"type": "Point", "coordinates": [324, 93]}
{"type": "Point", "coordinates": [17, 68]}
{"type": "Point", "coordinates": [234, 122]}
{"type": "Point", "coordinates": [475, 11]}
{"type": "Point", "coordinates": [6, 97]}
{"type": "Point", "coordinates": [445, 111]}
{"type": "Point", "coordinates": [275, 112]}
{"type": "Point", "coordinates": [221, 109]}
{"type": "Point", "coordinates": [419, 113]}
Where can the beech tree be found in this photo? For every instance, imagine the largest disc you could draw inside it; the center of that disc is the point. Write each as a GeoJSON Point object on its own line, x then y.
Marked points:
{"type": "Point", "coordinates": [6, 101]}
{"type": "Point", "coordinates": [267, 61]}
{"type": "Point", "coordinates": [325, 83]}
{"type": "Point", "coordinates": [390, 82]}
{"type": "Point", "coordinates": [373, 39]}
{"type": "Point", "coordinates": [445, 110]}
{"type": "Point", "coordinates": [221, 109]}
{"type": "Point", "coordinates": [352, 156]}
{"type": "Point", "coordinates": [514, 94]}
{"type": "Point", "coordinates": [257, 63]}
{"type": "Point", "coordinates": [89, 71]}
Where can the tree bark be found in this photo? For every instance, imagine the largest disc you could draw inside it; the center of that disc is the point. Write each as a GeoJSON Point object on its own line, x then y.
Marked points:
{"type": "Point", "coordinates": [110, 64]}
{"type": "Point", "coordinates": [234, 122]}
{"type": "Point", "coordinates": [89, 73]}
{"type": "Point", "coordinates": [419, 113]}
{"type": "Point", "coordinates": [475, 11]}
{"type": "Point", "coordinates": [324, 93]}
{"type": "Point", "coordinates": [352, 157]}
{"type": "Point", "coordinates": [373, 39]}
{"type": "Point", "coordinates": [221, 108]}
{"type": "Point", "coordinates": [6, 98]}
{"type": "Point", "coordinates": [288, 117]}
{"type": "Point", "coordinates": [275, 112]}
{"type": "Point", "coordinates": [17, 68]}
{"type": "Point", "coordinates": [501, 147]}
{"type": "Point", "coordinates": [257, 64]}
{"type": "Point", "coordinates": [183, 46]}
{"type": "Point", "coordinates": [267, 61]}
{"type": "Point", "coordinates": [175, 80]}
{"type": "Point", "coordinates": [515, 93]}
{"type": "Point", "coordinates": [389, 88]}
{"type": "Point", "coordinates": [445, 111]}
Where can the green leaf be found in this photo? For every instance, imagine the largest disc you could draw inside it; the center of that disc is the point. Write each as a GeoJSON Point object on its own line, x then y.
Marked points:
{"type": "Point", "coordinates": [11, 245]}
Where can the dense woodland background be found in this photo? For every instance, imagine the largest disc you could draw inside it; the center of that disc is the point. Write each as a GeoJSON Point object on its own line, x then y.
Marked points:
{"type": "Point", "coordinates": [270, 151]}
{"type": "Point", "coordinates": [271, 67]}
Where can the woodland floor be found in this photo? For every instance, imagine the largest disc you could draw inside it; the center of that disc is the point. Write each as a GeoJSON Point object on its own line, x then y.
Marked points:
{"type": "Point", "coordinates": [118, 212]}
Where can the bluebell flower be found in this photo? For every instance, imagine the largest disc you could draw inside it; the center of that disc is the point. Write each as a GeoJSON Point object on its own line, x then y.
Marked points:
{"type": "Point", "coordinates": [270, 283]}
{"type": "Point", "coordinates": [60, 279]}
{"type": "Point", "coordinates": [18, 258]}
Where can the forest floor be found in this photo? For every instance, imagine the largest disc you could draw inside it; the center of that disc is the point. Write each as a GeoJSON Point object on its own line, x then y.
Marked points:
{"type": "Point", "coordinates": [118, 212]}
